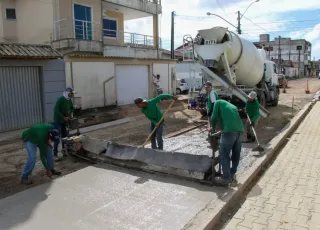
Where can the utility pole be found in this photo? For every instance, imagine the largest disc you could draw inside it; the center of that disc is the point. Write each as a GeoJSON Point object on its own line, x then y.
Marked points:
{"type": "Point", "coordinates": [239, 25]}
{"type": "Point", "coordinates": [299, 48]}
{"type": "Point", "coordinates": [279, 57]}
{"type": "Point", "coordinates": [172, 35]}
{"type": "Point", "coordinates": [269, 49]}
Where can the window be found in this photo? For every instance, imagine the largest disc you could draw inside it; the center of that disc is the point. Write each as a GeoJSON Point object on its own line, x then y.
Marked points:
{"type": "Point", "coordinates": [11, 14]}
{"type": "Point", "coordinates": [110, 27]}
{"type": "Point", "coordinates": [83, 22]}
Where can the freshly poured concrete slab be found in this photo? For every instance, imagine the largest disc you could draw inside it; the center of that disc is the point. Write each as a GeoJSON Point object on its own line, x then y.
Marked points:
{"type": "Point", "coordinates": [108, 197]}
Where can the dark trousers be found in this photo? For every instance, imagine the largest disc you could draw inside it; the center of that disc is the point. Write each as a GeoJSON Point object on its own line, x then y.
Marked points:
{"type": "Point", "coordinates": [230, 142]}
{"type": "Point", "coordinates": [157, 137]}
{"type": "Point", "coordinates": [62, 128]}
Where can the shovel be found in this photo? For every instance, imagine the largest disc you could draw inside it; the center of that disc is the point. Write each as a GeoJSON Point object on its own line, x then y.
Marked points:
{"type": "Point", "coordinates": [258, 148]}
{"type": "Point", "coordinates": [148, 138]}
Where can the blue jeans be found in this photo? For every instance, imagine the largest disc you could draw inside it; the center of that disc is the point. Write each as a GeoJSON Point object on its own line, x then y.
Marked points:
{"type": "Point", "coordinates": [230, 141]}
{"type": "Point", "coordinates": [62, 128]}
{"type": "Point", "coordinates": [32, 158]}
{"type": "Point", "coordinates": [157, 135]}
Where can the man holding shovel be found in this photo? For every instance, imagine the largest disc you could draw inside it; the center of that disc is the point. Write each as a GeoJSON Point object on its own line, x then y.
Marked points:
{"type": "Point", "coordinates": [62, 111]}
{"type": "Point", "coordinates": [39, 136]}
{"type": "Point", "coordinates": [152, 111]}
{"type": "Point", "coordinates": [212, 97]}
{"type": "Point", "coordinates": [232, 128]}
{"type": "Point", "coordinates": [253, 111]}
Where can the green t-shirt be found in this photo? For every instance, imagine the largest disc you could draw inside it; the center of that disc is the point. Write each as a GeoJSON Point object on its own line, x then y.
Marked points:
{"type": "Point", "coordinates": [228, 117]}
{"type": "Point", "coordinates": [253, 110]}
{"type": "Point", "coordinates": [209, 101]}
{"type": "Point", "coordinates": [152, 111]}
{"type": "Point", "coordinates": [62, 109]}
{"type": "Point", "coordinates": [38, 134]}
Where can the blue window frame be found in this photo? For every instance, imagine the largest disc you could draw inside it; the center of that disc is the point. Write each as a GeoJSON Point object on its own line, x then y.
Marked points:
{"type": "Point", "coordinates": [82, 22]}
{"type": "Point", "coordinates": [110, 27]}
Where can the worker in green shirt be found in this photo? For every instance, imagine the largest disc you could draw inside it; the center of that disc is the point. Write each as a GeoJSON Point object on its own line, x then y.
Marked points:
{"type": "Point", "coordinates": [62, 112]}
{"type": "Point", "coordinates": [39, 136]}
{"type": "Point", "coordinates": [253, 110]}
{"type": "Point", "coordinates": [232, 128]}
{"type": "Point", "coordinates": [212, 97]}
{"type": "Point", "coordinates": [152, 111]}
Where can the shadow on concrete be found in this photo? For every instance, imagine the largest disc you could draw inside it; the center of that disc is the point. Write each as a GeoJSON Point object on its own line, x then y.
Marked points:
{"type": "Point", "coordinates": [17, 209]}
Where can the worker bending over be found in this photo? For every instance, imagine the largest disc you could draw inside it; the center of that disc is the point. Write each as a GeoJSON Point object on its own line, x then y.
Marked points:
{"type": "Point", "coordinates": [212, 97]}
{"type": "Point", "coordinates": [39, 136]}
{"type": "Point", "coordinates": [62, 113]}
{"type": "Point", "coordinates": [232, 129]}
{"type": "Point", "coordinates": [152, 111]}
{"type": "Point", "coordinates": [253, 110]}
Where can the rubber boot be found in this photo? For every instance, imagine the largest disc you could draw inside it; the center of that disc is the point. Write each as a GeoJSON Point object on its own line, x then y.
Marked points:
{"type": "Point", "coordinates": [25, 180]}
{"type": "Point", "coordinates": [55, 173]}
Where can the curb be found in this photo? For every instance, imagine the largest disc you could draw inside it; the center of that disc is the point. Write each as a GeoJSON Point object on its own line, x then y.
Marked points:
{"type": "Point", "coordinates": [209, 217]}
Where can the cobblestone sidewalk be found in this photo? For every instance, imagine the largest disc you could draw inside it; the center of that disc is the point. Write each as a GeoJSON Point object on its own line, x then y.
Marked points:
{"type": "Point", "coordinates": [288, 194]}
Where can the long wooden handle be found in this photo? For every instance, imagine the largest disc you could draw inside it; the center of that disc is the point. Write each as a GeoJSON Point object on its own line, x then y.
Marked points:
{"type": "Point", "coordinates": [148, 138]}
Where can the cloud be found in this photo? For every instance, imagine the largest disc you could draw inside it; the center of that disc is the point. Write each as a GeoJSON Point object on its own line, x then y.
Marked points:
{"type": "Point", "coordinates": [260, 18]}
{"type": "Point", "coordinates": [314, 34]}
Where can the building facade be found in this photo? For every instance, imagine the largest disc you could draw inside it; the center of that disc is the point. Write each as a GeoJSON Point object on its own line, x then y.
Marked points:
{"type": "Point", "coordinates": [26, 21]}
{"type": "Point", "coordinates": [103, 63]}
{"type": "Point", "coordinates": [286, 49]}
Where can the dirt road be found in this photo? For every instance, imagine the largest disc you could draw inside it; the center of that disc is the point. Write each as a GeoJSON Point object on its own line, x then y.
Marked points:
{"type": "Point", "coordinates": [13, 154]}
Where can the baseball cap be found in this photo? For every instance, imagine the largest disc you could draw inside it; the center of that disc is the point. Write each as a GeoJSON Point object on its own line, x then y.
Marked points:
{"type": "Point", "coordinates": [54, 134]}
{"type": "Point", "coordinates": [70, 90]}
{"type": "Point", "coordinates": [139, 100]}
{"type": "Point", "coordinates": [208, 84]}
{"type": "Point", "coordinates": [252, 95]}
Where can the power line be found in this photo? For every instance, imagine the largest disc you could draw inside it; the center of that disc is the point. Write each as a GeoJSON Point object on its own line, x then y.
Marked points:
{"type": "Point", "coordinates": [254, 23]}
{"type": "Point", "coordinates": [218, 2]}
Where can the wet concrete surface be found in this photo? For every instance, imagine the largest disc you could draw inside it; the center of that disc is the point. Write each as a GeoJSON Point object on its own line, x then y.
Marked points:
{"type": "Point", "coordinates": [195, 143]}
{"type": "Point", "coordinates": [108, 197]}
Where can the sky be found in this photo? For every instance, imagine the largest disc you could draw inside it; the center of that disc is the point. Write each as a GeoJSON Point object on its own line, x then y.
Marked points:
{"type": "Point", "coordinates": [286, 18]}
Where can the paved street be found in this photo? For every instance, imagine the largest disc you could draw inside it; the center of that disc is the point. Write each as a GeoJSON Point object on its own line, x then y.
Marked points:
{"type": "Point", "coordinates": [288, 194]}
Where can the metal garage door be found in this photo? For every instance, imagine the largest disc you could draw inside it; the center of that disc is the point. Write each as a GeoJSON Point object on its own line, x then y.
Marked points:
{"type": "Point", "coordinates": [20, 97]}
{"type": "Point", "coordinates": [132, 82]}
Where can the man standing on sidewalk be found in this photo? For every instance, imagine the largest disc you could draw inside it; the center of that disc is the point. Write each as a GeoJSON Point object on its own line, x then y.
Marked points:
{"type": "Point", "coordinates": [39, 136]}
{"type": "Point", "coordinates": [253, 110]}
{"type": "Point", "coordinates": [212, 97]}
{"type": "Point", "coordinates": [62, 112]}
{"type": "Point", "coordinates": [152, 111]}
{"type": "Point", "coordinates": [232, 128]}
{"type": "Point", "coordinates": [156, 81]}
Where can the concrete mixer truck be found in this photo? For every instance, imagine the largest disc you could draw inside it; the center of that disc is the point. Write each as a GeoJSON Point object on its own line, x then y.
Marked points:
{"type": "Point", "coordinates": [235, 67]}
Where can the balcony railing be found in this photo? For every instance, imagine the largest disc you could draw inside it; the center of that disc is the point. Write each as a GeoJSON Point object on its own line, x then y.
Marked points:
{"type": "Point", "coordinates": [155, 1]}
{"type": "Point", "coordinates": [84, 30]}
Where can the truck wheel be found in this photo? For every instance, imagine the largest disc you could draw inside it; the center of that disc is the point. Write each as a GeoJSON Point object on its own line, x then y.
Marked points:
{"type": "Point", "coordinates": [276, 100]}
{"type": "Point", "coordinates": [262, 100]}
{"type": "Point", "coordinates": [178, 91]}
{"type": "Point", "coordinates": [203, 113]}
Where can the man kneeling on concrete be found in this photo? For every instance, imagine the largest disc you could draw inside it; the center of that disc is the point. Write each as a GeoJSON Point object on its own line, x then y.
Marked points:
{"type": "Point", "coordinates": [152, 111]}
{"type": "Point", "coordinates": [40, 136]}
{"type": "Point", "coordinates": [253, 111]}
{"type": "Point", "coordinates": [232, 129]}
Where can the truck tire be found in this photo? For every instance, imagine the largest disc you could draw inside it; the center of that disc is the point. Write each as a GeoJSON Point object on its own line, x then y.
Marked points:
{"type": "Point", "coordinates": [262, 99]}
{"type": "Point", "coordinates": [276, 100]}
{"type": "Point", "coordinates": [178, 91]}
{"type": "Point", "coordinates": [203, 113]}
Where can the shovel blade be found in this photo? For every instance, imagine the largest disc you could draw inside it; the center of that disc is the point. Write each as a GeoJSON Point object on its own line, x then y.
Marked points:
{"type": "Point", "coordinates": [258, 149]}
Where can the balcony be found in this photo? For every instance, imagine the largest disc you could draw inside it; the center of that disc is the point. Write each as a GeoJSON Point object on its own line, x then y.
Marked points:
{"type": "Point", "coordinates": [149, 6]}
{"type": "Point", "coordinates": [82, 36]}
